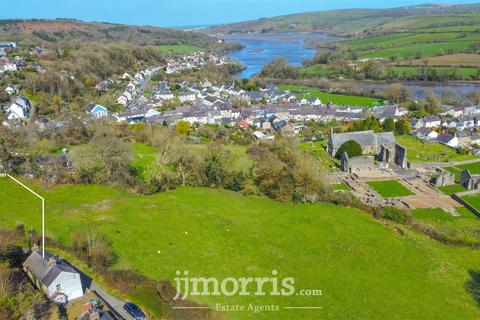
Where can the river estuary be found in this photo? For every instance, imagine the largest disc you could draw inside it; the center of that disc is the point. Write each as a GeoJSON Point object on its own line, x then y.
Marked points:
{"type": "Point", "coordinates": [259, 50]}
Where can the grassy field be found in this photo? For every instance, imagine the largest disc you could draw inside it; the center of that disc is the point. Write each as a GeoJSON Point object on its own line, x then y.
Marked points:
{"type": "Point", "coordinates": [338, 99]}
{"type": "Point", "coordinates": [238, 154]}
{"type": "Point", "coordinates": [460, 60]}
{"type": "Point", "coordinates": [426, 151]}
{"type": "Point", "coordinates": [179, 48]}
{"type": "Point", "coordinates": [365, 270]}
{"type": "Point", "coordinates": [452, 189]}
{"type": "Point", "coordinates": [144, 157]}
{"type": "Point", "coordinates": [390, 188]}
{"type": "Point", "coordinates": [319, 152]}
{"type": "Point", "coordinates": [473, 200]}
{"type": "Point", "coordinates": [465, 227]}
{"type": "Point", "coordinates": [470, 73]}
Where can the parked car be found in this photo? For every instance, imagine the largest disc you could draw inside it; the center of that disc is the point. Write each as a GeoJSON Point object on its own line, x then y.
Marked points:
{"type": "Point", "coordinates": [134, 311]}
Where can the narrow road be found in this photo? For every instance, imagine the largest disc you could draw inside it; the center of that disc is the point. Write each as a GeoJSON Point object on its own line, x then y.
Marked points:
{"type": "Point", "coordinates": [113, 303]}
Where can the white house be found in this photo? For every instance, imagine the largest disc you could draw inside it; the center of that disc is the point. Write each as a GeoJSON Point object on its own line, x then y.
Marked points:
{"type": "Point", "coordinates": [97, 110]}
{"type": "Point", "coordinates": [187, 97]}
{"type": "Point", "coordinates": [9, 67]}
{"type": "Point", "coordinates": [58, 279]}
{"type": "Point", "coordinates": [448, 140]}
{"type": "Point", "coordinates": [20, 109]}
{"type": "Point", "coordinates": [124, 98]}
{"type": "Point", "coordinates": [10, 90]}
{"type": "Point", "coordinates": [427, 134]}
{"type": "Point", "coordinates": [126, 75]}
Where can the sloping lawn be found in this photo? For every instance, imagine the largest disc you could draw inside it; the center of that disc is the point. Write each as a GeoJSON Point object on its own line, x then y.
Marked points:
{"type": "Point", "coordinates": [465, 227]}
{"type": "Point", "coordinates": [473, 200]}
{"type": "Point", "coordinates": [364, 269]}
{"type": "Point", "coordinates": [454, 188]}
{"type": "Point", "coordinates": [144, 157]}
{"type": "Point", "coordinates": [390, 188]}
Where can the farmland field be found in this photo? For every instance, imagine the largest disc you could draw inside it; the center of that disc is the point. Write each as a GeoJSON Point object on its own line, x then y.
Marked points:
{"type": "Point", "coordinates": [425, 151]}
{"type": "Point", "coordinates": [180, 48]}
{"type": "Point", "coordinates": [204, 231]}
{"type": "Point", "coordinates": [339, 99]}
{"type": "Point", "coordinates": [390, 188]}
{"type": "Point", "coordinates": [461, 60]}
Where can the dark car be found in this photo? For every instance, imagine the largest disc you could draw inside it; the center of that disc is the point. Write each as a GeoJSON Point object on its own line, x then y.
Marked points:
{"type": "Point", "coordinates": [134, 311]}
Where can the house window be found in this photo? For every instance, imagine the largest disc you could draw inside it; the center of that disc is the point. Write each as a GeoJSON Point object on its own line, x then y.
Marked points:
{"type": "Point", "coordinates": [59, 287]}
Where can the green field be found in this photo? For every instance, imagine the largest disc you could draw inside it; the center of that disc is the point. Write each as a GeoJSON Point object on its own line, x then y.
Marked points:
{"type": "Point", "coordinates": [473, 200]}
{"type": "Point", "coordinates": [144, 157]}
{"type": "Point", "coordinates": [465, 227]}
{"type": "Point", "coordinates": [454, 188]}
{"type": "Point", "coordinates": [425, 151]}
{"type": "Point", "coordinates": [338, 99]}
{"type": "Point", "coordinates": [451, 72]}
{"type": "Point", "coordinates": [390, 188]}
{"type": "Point", "coordinates": [237, 154]}
{"type": "Point", "coordinates": [179, 48]}
{"type": "Point", "coordinates": [319, 152]}
{"type": "Point", "coordinates": [365, 270]}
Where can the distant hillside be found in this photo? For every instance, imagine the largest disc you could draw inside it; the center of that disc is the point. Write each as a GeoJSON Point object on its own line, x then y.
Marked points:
{"type": "Point", "coordinates": [357, 22]}
{"type": "Point", "coordinates": [66, 30]}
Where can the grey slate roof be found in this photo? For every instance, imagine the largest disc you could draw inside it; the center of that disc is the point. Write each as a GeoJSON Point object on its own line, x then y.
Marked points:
{"type": "Point", "coordinates": [48, 269]}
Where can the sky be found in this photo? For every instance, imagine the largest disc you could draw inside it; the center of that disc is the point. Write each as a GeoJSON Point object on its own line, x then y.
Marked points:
{"type": "Point", "coordinates": [182, 13]}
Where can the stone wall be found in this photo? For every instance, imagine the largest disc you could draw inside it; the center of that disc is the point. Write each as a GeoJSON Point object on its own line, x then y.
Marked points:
{"type": "Point", "coordinates": [401, 156]}
{"type": "Point", "coordinates": [445, 178]}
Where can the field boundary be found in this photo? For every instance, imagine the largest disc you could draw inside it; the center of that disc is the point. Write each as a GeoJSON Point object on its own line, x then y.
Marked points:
{"type": "Point", "coordinates": [458, 197]}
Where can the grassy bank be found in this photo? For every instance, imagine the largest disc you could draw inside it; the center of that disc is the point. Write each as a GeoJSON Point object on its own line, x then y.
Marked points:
{"type": "Point", "coordinates": [364, 269]}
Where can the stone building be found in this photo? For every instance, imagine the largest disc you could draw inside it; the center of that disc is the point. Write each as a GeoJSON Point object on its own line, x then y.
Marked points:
{"type": "Point", "coordinates": [357, 165]}
{"type": "Point", "coordinates": [381, 145]}
{"type": "Point", "coordinates": [370, 141]}
{"type": "Point", "coordinates": [444, 178]}
{"type": "Point", "coordinates": [469, 180]}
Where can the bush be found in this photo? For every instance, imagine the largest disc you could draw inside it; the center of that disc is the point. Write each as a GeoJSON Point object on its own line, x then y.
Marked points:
{"type": "Point", "coordinates": [351, 147]}
{"type": "Point", "coordinates": [396, 215]}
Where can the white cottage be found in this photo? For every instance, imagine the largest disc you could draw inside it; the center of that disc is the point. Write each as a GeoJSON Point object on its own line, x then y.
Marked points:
{"type": "Point", "coordinates": [58, 279]}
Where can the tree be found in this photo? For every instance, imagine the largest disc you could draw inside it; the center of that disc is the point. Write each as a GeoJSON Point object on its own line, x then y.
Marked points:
{"type": "Point", "coordinates": [373, 70]}
{"type": "Point", "coordinates": [432, 103]}
{"type": "Point", "coordinates": [388, 125]}
{"type": "Point", "coordinates": [403, 126]}
{"type": "Point", "coordinates": [397, 93]}
{"type": "Point", "coordinates": [351, 147]}
{"type": "Point", "coordinates": [105, 160]}
{"type": "Point", "coordinates": [183, 127]}
{"type": "Point", "coordinates": [215, 167]}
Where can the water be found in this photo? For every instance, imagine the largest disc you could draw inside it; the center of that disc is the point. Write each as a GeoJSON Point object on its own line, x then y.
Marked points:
{"type": "Point", "coordinates": [420, 90]}
{"type": "Point", "coordinates": [261, 49]}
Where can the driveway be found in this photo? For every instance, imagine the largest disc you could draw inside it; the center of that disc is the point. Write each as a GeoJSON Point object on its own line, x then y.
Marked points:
{"type": "Point", "coordinates": [113, 303]}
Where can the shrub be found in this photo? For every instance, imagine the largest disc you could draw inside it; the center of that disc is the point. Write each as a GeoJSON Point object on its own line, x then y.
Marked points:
{"type": "Point", "coordinates": [396, 215]}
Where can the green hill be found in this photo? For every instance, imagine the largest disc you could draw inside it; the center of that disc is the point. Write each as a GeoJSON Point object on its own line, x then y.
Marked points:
{"type": "Point", "coordinates": [364, 269]}
{"type": "Point", "coordinates": [356, 22]}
